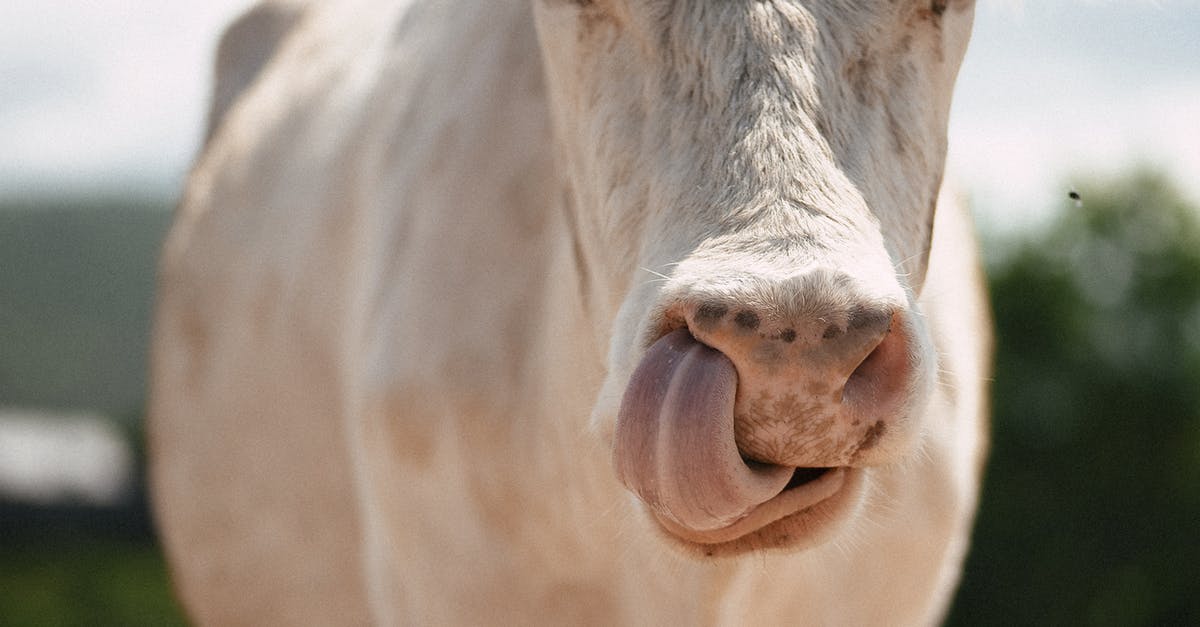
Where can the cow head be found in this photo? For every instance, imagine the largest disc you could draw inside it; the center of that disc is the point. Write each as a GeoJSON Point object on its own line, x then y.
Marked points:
{"type": "Point", "coordinates": [752, 187]}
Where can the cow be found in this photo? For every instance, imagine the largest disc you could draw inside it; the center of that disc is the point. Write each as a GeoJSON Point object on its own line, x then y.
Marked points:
{"type": "Point", "coordinates": [573, 312]}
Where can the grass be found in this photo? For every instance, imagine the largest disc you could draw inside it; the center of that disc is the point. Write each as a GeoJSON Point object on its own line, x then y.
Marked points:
{"type": "Point", "coordinates": [68, 581]}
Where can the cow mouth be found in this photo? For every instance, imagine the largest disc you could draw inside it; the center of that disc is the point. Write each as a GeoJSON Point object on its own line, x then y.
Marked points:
{"type": "Point", "coordinates": [804, 476]}
{"type": "Point", "coordinates": [802, 515]}
{"type": "Point", "coordinates": [674, 447]}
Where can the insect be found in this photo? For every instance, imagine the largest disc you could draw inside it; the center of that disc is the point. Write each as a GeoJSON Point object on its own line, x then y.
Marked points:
{"type": "Point", "coordinates": [1074, 195]}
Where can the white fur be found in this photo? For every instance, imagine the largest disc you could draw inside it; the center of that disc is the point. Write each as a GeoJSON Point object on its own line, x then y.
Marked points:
{"type": "Point", "coordinates": [426, 244]}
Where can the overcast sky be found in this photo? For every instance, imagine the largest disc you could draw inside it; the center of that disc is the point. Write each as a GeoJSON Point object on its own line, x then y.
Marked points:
{"type": "Point", "coordinates": [110, 95]}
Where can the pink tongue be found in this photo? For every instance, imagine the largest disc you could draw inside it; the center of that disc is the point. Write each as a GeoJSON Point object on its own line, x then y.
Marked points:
{"type": "Point", "coordinates": [675, 444]}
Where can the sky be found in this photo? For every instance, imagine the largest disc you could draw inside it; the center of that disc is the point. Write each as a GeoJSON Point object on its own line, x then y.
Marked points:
{"type": "Point", "coordinates": [1055, 93]}
{"type": "Point", "coordinates": [109, 96]}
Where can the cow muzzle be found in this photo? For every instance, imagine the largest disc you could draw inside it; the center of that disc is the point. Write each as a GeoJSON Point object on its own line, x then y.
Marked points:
{"type": "Point", "coordinates": [744, 427]}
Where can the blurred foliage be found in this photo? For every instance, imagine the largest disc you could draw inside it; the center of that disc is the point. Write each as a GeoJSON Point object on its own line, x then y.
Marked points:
{"type": "Point", "coordinates": [76, 282]}
{"type": "Point", "coordinates": [83, 579]}
{"type": "Point", "coordinates": [1091, 507]}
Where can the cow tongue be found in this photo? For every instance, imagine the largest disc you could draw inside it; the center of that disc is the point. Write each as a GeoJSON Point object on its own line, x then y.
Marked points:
{"type": "Point", "coordinates": [674, 444]}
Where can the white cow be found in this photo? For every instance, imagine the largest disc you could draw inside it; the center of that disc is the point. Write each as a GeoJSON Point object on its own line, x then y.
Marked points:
{"type": "Point", "coordinates": [573, 312]}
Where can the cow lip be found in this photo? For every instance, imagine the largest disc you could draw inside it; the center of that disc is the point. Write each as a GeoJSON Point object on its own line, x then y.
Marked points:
{"type": "Point", "coordinates": [801, 515]}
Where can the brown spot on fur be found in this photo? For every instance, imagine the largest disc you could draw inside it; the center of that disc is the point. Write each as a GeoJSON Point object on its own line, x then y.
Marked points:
{"type": "Point", "coordinates": [591, 18]}
{"type": "Point", "coordinates": [859, 72]}
{"type": "Point", "coordinates": [831, 332]}
{"type": "Point", "coordinates": [858, 75]}
{"type": "Point", "coordinates": [898, 134]}
{"type": "Point", "coordinates": [788, 335]}
{"type": "Point", "coordinates": [933, 14]}
{"type": "Point", "coordinates": [196, 337]}
{"type": "Point", "coordinates": [747, 319]}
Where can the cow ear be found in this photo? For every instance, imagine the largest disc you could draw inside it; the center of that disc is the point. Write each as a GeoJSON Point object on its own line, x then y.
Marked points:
{"type": "Point", "coordinates": [246, 46]}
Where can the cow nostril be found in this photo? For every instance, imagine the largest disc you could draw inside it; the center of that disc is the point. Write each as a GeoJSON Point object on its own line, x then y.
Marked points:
{"type": "Point", "coordinates": [867, 367]}
{"type": "Point", "coordinates": [881, 370]}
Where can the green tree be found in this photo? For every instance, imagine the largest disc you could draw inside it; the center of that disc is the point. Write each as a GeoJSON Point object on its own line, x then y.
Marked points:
{"type": "Point", "coordinates": [1091, 507]}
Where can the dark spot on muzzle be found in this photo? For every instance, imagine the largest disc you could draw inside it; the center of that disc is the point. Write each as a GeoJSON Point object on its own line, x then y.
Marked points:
{"type": "Point", "coordinates": [873, 436]}
{"type": "Point", "coordinates": [747, 320]}
{"type": "Point", "coordinates": [709, 314]}
{"type": "Point", "coordinates": [863, 317]}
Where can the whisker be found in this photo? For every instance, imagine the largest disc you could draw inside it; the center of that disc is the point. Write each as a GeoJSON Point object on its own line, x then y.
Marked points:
{"type": "Point", "coordinates": [657, 274]}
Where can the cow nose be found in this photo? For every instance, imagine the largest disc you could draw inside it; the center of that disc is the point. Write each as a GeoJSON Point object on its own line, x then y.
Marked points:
{"type": "Point", "coordinates": [816, 388]}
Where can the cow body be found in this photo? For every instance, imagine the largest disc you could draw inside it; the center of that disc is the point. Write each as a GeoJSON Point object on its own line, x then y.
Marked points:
{"type": "Point", "coordinates": [389, 347]}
